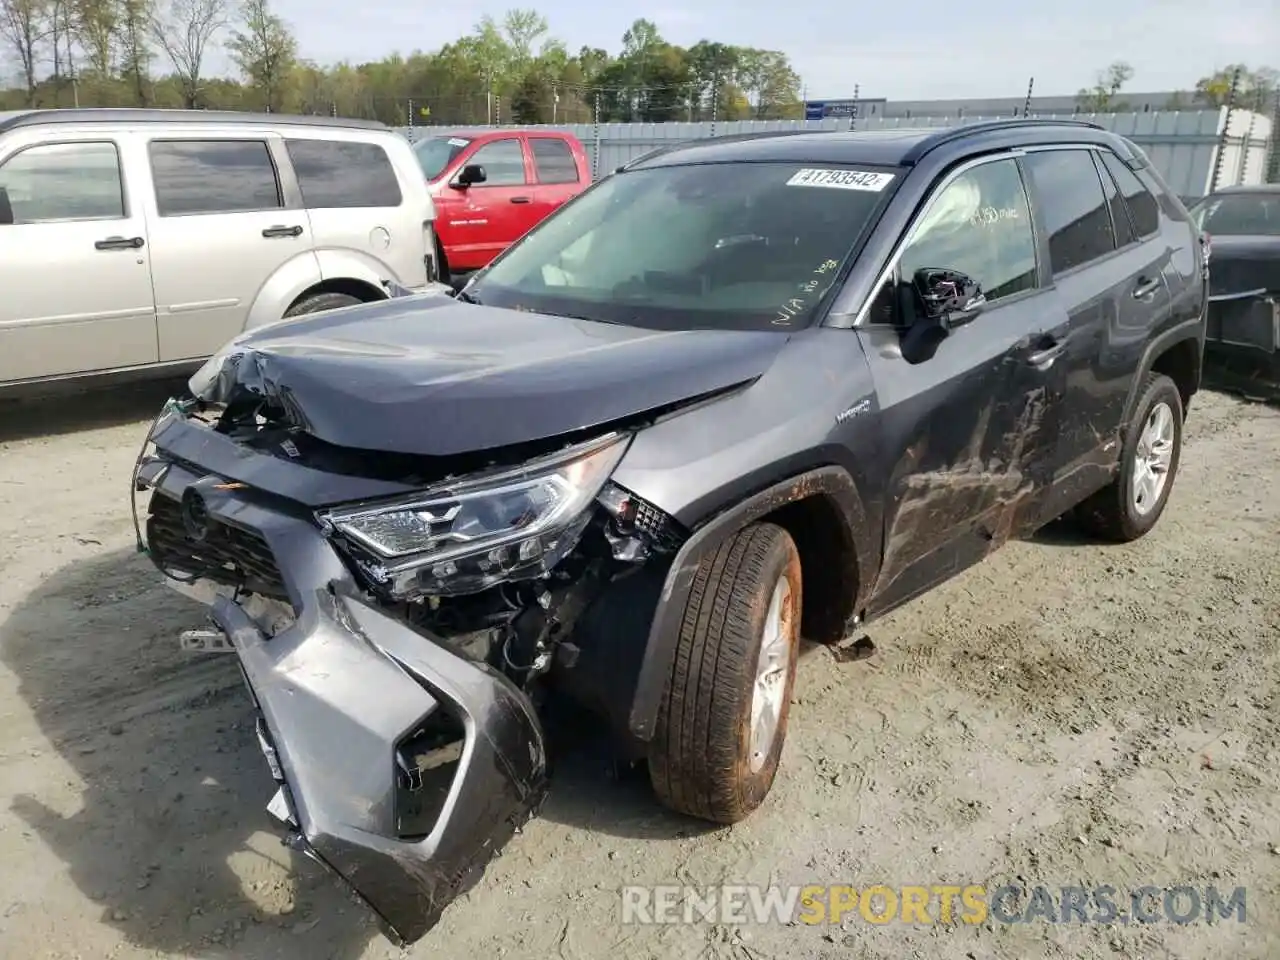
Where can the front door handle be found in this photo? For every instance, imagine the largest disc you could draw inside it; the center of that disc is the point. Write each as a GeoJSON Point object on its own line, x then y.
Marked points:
{"type": "Point", "coordinates": [294, 231]}
{"type": "Point", "coordinates": [520, 199]}
{"type": "Point", "coordinates": [1043, 358]}
{"type": "Point", "coordinates": [119, 243]}
{"type": "Point", "coordinates": [1145, 288]}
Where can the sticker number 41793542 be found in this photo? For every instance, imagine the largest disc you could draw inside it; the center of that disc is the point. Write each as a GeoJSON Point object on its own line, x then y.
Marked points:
{"type": "Point", "coordinates": [841, 179]}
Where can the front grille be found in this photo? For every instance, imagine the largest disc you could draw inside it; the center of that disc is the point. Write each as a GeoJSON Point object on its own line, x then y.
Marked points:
{"type": "Point", "coordinates": [226, 554]}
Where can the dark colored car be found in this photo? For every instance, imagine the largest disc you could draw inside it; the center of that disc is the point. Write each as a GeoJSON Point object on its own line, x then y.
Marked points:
{"type": "Point", "coordinates": [1242, 225]}
{"type": "Point", "coordinates": [738, 391]}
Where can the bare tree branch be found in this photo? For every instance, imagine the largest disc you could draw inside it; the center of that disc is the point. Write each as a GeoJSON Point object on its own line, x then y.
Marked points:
{"type": "Point", "coordinates": [184, 30]}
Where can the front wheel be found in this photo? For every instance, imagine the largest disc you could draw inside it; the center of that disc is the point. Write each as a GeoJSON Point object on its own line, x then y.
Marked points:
{"type": "Point", "coordinates": [723, 719]}
{"type": "Point", "coordinates": [321, 301]}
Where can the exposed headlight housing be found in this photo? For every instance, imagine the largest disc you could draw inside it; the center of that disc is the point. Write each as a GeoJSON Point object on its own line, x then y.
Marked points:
{"type": "Point", "coordinates": [467, 535]}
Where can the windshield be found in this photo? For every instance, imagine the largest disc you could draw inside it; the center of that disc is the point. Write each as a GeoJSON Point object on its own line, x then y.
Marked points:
{"type": "Point", "coordinates": [436, 153]}
{"type": "Point", "coordinates": [741, 245]}
{"type": "Point", "coordinates": [1239, 214]}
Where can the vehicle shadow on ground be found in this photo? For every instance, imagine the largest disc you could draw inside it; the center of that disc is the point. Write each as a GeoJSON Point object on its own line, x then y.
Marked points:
{"type": "Point", "coordinates": [169, 839]}
{"type": "Point", "coordinates": [170, 842]}
{"type": "Point", "coordinates": [85, 410]}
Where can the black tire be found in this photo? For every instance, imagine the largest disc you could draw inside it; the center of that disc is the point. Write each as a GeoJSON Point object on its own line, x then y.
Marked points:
{"type": "Point", "coordinates": [1113, 513]}
{"type": "Point", "coordinates": [700, 759]}
{"type": "Point", "coordinates": [442, 264]}
{"type": "Point", "coordinates": [321, 301]}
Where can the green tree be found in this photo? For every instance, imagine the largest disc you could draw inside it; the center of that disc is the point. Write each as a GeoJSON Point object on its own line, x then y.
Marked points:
{"type": "Point", "coordinates": [266, 52]}
{"type": "Point", "coordinates": [1107, 83]}
{"type": "Point", "coordinates": [1256, 89]}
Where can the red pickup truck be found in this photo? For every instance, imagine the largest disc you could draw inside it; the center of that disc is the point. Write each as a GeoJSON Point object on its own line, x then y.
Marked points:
{"type": "Point", "coordinates": [491, 186]}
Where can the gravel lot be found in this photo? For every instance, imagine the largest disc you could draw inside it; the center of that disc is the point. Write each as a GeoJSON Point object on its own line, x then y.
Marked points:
{"type": "Point", "coordinates": [1065, 713]}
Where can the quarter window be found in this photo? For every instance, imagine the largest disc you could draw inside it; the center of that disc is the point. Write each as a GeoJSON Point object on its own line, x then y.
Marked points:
{"type": "Point", "coordinates": [1071, 205]}
{"type": "Point", "coordinates": [213, 176]}
{"type": "Point", "coordinates": [503, 162]}
{"type": "Point", "coordinates": [1142, 205]}
{"type": "Point", "coordinates": [63, 181]}
{"type": "Point", "coordinates": [980, 225]}
{"type": "Point", "coordinates": [336, 173]}
{"type": "Point", "coordinates": [554, 160]}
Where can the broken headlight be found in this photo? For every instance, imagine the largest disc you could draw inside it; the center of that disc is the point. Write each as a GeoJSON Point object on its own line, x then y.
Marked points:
{"type": "Point", "coordinates": [474, 533]}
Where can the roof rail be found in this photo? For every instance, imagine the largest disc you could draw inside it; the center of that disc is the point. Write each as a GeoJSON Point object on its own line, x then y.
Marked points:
{"type": "Point", "coordinates": [726, 138]}
{"type": "Point", "coordinates": [33, 118]}
{"type": "Point", "coordinates": [960, 131]}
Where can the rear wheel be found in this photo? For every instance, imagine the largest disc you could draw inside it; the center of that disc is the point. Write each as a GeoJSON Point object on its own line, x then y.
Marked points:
{"type": "Point", "coordinates": [1130, 506]}
{"type": "Point", "coordinates": [723, 719]}
{"type": "Point", "coordinates": [317, 302]}
{"type": "Point", "coordinates": [442, 264]}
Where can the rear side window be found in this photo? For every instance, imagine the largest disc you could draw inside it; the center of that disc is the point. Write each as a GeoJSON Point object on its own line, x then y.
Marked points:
{"type": "Point", "coordinates": [1119, 212]}
{"type": "Point", "coordinates": [1072, 207]}
{"type": "Point", "coordinates": [553, 160]}
{"type": "Point", "coordinates": [62, 181]}
{"type": "Point", "coordinates": [1142, 205]}
{"type": "Point", "coordinates": [339, 173]}
{"type": "Point", "coordinates": [213, 176]}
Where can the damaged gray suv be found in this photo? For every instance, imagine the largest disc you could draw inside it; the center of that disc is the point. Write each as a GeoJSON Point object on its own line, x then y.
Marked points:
{"type": "Point", "coordinates": [737, 392]}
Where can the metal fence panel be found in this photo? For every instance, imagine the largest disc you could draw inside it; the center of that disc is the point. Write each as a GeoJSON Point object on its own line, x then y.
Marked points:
{"type": "Point", "coordinates": [1182, 145]}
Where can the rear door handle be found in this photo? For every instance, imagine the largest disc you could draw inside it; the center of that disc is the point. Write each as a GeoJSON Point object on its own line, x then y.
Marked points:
{"type": "Point", "coordinates": [294, 231]}
{"type": "Point", "coordinates": [1145, 288]}
{"type": "Point", "coordinates": [1043, 358]}
{"type": "Point", "coordinates": [119, 243]}
{"type": "Point", "coordinates": [520, 199]}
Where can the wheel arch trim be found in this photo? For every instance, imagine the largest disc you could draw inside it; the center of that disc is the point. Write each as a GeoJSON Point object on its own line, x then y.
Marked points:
{"type": "Point", "coordinates": [831, 483]}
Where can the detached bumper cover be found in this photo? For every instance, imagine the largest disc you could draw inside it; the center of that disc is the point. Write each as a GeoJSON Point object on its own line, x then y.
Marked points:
{"type": "Point", "coordinates": [338, 691]}
{"type": "Point", "coordinates": [1243, 341]}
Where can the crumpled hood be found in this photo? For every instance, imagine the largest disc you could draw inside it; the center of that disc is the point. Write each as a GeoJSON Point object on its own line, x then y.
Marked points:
{"type": "Point", "coordinates": [1243, 264]}
{"type": "Point", "coordinates": [438, 377]}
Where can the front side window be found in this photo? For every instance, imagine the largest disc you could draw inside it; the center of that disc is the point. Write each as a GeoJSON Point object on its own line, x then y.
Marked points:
{"type": "Point", "coordinates": [980, 225]}
{"type": "Point", "coordinates": [1239, 215]}
{"type": "Point", "coordinates": [730, 245]}
{"type": "Point", "coordinates": [62, 181]}
{"type": "Point", "coordinates": [339, 173]}
{"type": "Point", "coordinates": [503, 162]}
{"type": "Point", "coordinates": [436, 153]}
{"type": "Point", "coordinates": [213, 176]}
{"type": "Point", "coordinates": [1072, 207]}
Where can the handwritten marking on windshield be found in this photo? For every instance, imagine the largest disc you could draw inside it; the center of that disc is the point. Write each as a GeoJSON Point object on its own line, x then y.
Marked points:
{"type": "Point", "coordinates": [791, 308]}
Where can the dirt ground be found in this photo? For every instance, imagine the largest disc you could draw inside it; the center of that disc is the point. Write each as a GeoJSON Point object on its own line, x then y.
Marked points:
{"type": "Point", "coordinates": [1066, 713]}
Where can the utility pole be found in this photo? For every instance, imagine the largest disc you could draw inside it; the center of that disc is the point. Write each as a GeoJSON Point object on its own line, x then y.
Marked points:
{"type": "Point", "coordinates": [595, 138]}
{"type": "Point", "coordinates": [1226, 131]}
{"type": "Point", "coordinates": [1026, 106]}
{"type": "Point", "coordinates": [853, 114]}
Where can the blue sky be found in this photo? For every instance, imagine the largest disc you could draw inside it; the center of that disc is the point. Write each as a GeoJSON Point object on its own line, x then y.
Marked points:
{"type": "Point", "coordinates": [906, 49]}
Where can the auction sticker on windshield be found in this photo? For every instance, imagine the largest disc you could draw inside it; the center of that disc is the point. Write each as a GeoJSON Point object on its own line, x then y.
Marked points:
{"type": "Point", "coordinates": [841, 179]}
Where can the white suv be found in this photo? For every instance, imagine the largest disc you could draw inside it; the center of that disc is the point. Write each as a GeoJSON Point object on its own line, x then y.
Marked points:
{"type": "Point", "coordinates": [140, 241]}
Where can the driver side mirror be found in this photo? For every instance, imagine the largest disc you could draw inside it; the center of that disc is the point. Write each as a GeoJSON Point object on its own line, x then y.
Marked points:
{"type": "Point", "coordinates": [470, 174]}
{"type": "Point", "coordinates": [6, 208]}
{"type": "Point", "coordinates": [947, 298]}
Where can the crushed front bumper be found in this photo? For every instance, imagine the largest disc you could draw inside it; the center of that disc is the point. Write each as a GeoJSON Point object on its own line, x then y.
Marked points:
{"type": "Point", "coordinates": [340, 692]}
